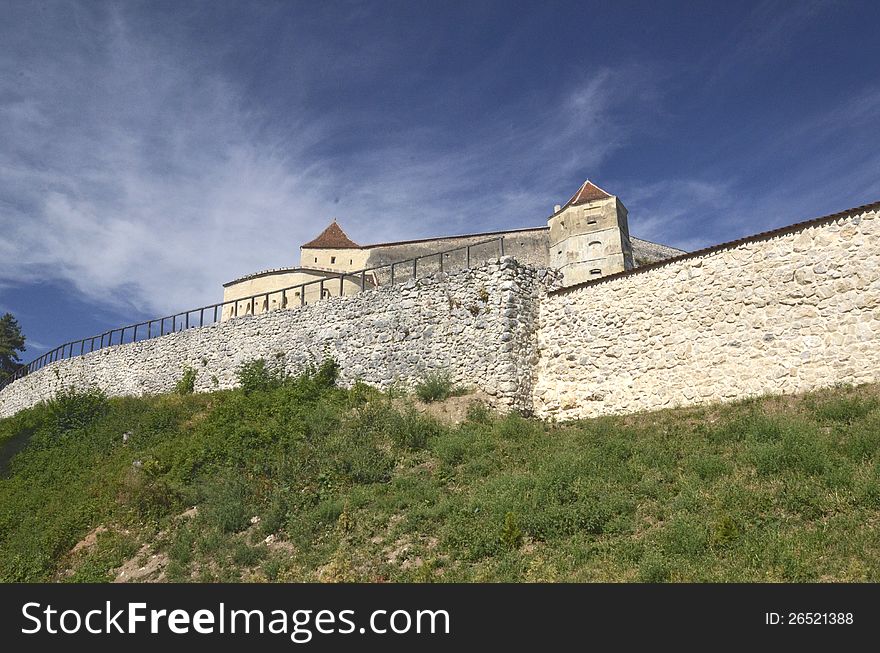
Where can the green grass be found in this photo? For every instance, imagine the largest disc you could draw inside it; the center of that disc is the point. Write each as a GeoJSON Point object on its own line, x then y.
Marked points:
{"type": "Point", "coordinates": [351, 487]}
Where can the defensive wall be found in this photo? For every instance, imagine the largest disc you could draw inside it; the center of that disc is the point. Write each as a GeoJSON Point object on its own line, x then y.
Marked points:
{"type": "Point", "coordinates": [783, 312]}
{"type": "Point", "coordinates": [477, 325]}
{"type": "Point", "coordinates": [786, 311]}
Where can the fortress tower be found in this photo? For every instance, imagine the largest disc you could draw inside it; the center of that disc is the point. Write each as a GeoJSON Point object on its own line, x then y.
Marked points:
{"type": "Point", "coordinates": [333, 250]}
{"type": "Point", "coordinates": [589, 236]}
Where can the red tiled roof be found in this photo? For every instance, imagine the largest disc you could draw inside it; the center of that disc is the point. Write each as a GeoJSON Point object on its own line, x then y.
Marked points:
{"type": "Point", "coordinates": [333, 237]}
{"type": "Point", "coordinates": [588, 192]}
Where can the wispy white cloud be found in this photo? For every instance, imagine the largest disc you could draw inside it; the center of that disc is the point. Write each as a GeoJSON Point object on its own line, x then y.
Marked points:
{"type": "Point", "coordinates": [679, 212]}
{"type": "Point", "coordinates": [35, 346]}
{"type": "Point", "coordinates": [145, 180]}
{"type": "Point", "coordinates": [143, 173]}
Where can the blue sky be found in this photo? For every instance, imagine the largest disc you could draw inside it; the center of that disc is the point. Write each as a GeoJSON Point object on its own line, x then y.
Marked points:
{"type": "Point", "coordinates": [151, 151]}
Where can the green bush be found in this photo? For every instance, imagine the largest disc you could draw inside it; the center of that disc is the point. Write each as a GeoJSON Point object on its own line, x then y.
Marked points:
{"type": "Point", "coordinates": [187, 383]}
{"type": "Point", "coordinates": [511, 535]}
{"type": "Point", "coordinates": [437, 386]}
{"type": "Point", "coordinates": [256, 376]}
{"type": "Point", "coordinates": [411, 430]}
{"type": "Point", "coordinates": [359, 451]}
{"type": "Point", "coordinates": [247, 556]}
{"type": "Point", "coordinates": [227, 504]}
{"type": "Point", "coordinates": [478, 412]}
{"type": "Point", "coordinates": [149, 495]}
{"type": "Point", "coordinates": [72, 409]}
{"type": "Point", "coordinates": [326, 374]}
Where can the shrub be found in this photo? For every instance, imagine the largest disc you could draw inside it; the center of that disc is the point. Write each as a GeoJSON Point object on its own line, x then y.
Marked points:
{"type": "Point", "coordinates": [437, 386]}
{"type": "Point", "coordinates": [358, 455]}
{"type": "Point", "coordinates": [187, 383]}
{"type": "Point", "coordinates": [454, 447]}
{"type": "Point", "coordinates": [149, 495]}
{"type": "Point", "coordinates": [72, 409]}
{"type": "Point", "coordinates": [256, 375]}
{"type": "Point", "coordinates": [511, 535]}
{"type": "Point", "coordinates": [724, 532]}
{"type": "Point", "coordinates": [226, 504]}
{"type": "Point", "coordinates": [410, 430]}
{"type": "Point", "coordinates": [326, 374]}
{"type": "Point", "coordinates": [245, 555]}
{"type": "Point", "coordinates": [478, 412]}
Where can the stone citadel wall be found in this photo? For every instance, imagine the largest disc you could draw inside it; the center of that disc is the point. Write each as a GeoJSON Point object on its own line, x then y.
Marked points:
{"type": "Point", "coordinates": [789, 311]}
{"type": "Point", "coordinates": [477, 325]}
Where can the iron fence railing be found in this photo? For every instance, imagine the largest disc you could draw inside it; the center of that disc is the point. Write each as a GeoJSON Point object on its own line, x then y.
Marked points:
{"type": "Point", "coordinates": [397, 271]}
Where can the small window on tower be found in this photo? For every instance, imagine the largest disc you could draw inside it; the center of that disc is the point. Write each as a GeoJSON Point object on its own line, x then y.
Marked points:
{"type": "Point", "coordinates": [591, 221]}
{"type": "Point", "coordinates": [595, 271]}
{"type": "Point", "coordinates": [316, 259]}
{"type": "Point", "coordinates": [351, 261]}
{"type": "Point", "coordinates": [332, 260]}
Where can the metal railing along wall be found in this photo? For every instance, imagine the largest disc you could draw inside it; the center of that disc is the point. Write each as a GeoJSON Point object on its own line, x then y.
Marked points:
{"type": "Point", "coordinates": [398, 271]}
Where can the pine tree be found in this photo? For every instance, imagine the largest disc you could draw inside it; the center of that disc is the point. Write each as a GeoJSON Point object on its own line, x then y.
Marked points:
{"type": "Point", "coordinates": [11, 342]}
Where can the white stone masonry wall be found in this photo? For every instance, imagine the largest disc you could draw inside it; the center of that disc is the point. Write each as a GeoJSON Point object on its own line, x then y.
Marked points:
{"type": "Point", "coordinates": [792, 313]}
{"type": "Point", "coordinates": [476, 325]}
{"type": "Point", "coordinates": [789, 313]}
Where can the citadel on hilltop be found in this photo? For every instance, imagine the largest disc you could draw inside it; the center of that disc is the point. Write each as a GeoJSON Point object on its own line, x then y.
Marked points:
{"type": "Point", "coordinates": [570, 320]}
{"type": "Point", "coordinates": [586, 238]}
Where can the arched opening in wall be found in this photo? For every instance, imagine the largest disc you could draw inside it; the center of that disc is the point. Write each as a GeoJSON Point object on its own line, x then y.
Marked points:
{"type": "Point", "coordinates": [351, 261]}
{"type": "Point", "coordinates": [595, 272]}
{"type": "Point", "coordinates": [332, 260]}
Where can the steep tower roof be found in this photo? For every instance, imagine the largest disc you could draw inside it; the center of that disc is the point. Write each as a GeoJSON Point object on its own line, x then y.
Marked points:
{"type": "Point", "coordinates": [333, 237]}
{"type": "Point", "coordinates": [588, 192]}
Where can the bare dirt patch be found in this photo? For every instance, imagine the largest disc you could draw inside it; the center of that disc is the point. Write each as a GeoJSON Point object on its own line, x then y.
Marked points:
{"type": "Point", "coordinates": [453, 410]}
{"type": "Point", "coordinates": [89, 540]}
{"type": "Point", "coordinates": [144, 567]}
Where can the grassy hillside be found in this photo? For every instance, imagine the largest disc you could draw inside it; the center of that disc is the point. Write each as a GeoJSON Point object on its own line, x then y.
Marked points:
{"type": "Point", "coordinates": [296, 480]}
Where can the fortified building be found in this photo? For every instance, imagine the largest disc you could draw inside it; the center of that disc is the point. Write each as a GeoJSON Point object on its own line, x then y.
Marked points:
{"type": "Point", "coordinates": [586, 238]}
